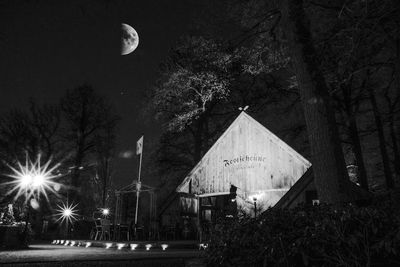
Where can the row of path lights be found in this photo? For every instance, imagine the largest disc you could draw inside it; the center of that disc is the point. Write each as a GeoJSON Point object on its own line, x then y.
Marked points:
{"type": "Point", "coordinates": [108, 245]}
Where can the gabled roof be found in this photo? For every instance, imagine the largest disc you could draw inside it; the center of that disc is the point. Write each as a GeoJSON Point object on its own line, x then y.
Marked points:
{"type": "Point", "coordinates": [243, 122]}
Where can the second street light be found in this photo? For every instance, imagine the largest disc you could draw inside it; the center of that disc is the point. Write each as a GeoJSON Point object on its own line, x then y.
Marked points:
{"type": "Point", "coordinates": [68, 214]}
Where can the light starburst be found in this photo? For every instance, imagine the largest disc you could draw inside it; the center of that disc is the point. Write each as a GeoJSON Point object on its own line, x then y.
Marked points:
{"type": "Point", "coordinates": [105, 212]}
{"type": "Point", "coordinates": [67, 213]}
{"type": "Point", "coordinates": [33, 179]}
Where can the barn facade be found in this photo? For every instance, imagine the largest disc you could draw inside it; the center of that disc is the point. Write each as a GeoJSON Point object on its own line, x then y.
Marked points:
{"type": "Point", "coordinates": [251, 159]}
{"type": "Point", "coordinates": [247, 170]}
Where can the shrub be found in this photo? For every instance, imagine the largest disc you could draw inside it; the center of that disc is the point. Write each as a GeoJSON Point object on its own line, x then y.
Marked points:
{"type": "Point", "coordinates": [321, 235]}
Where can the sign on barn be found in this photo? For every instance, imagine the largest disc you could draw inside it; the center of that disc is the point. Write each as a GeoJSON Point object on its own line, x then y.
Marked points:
{"type": "Point", "coordinates": [251, 158]}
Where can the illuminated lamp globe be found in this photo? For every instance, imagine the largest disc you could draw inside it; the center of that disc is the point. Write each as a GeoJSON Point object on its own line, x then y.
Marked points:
{"type": "Point", "coordinates": [25, 180]}
{"type": "Point", "coordinates": [106, 212]}
{"type": "Point", "coordinates": [38, 180]}
{"type": "Point", "coordinates": [67, 212]}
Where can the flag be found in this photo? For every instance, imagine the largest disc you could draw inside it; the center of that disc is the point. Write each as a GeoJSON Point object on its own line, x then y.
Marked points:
{"type": "Point", "coordinates": [139, 146]}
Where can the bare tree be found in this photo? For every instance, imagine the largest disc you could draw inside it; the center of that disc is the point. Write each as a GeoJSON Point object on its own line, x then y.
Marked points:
{"type": "Point", "coordinates": [86, 115]}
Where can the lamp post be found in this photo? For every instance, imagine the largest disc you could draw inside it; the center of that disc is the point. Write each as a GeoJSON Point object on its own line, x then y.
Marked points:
{"type": "Point", "coordinates": [30, 182]}
{"type": "Point", "coordinates": [67, 213]}
{"type": "Point", "coordinates": [255, 206]}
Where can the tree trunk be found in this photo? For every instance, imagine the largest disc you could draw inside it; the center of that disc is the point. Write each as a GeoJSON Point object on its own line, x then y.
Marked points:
{"type": "Point", "coordinates": [393, 132]}
{"type": "Point", "coordinates": [74, 196]}
{"type": "Point", "coordinates": [381, 139]}
{"type": "Point", "coordinates": [396, 152]}
{"type": "Point", "coordinates": [362, 174]}
{"type": "Point", "coordinates": [105, 177]}
{"type": "Point", "coordinates": [355, 139]}
{"type": "Point", "coordinates": [330, 173]}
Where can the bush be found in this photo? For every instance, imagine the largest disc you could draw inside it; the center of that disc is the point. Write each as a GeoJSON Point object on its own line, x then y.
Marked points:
{"type": "Point", "coordinates": [321, 235]}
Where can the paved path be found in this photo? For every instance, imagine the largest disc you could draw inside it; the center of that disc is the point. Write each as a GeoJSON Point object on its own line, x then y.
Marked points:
{"type": "Point", "coordinates": [56, 255]}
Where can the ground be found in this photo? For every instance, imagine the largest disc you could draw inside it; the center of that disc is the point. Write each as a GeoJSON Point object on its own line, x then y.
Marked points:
{"type": "Point", "coordinates": [58, 255]}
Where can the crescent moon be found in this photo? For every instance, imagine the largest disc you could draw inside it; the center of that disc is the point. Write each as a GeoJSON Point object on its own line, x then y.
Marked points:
{"type": "Point", "coordinates": [129, 39]}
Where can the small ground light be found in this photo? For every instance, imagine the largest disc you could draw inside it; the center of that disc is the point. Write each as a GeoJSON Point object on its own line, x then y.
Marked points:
{"type": "Point", "coordinates": [120, 246]}
{"type": "Point", "coordinates": [148, 246]}
{"type": "Point", "coordinates": [88, 244]}
{"type": "Point", "coordinates": [108, 245]}
{"type": "Point", "coordinates": [53, 242]}
{"type": "Point", "coordinates": [66, 243]}
{"type": "Point", "coordinates": [62, 242]}
{"type": "Point", "coordinates": [133, 246]}
{"type": "Point", "coordinates": [164, 246]}
{"type": "Point", "coordinates": [72, 243]}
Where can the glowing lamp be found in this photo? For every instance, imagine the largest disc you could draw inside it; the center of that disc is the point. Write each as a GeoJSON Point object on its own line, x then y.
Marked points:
{"type": "Point", "coordinates": [108, 245]}
{"type": "Point", "coordinates": [148, 246]}
{"type": "Point", "coordinates": [38, 180]}
{"type": "Point", "coordinates": [88, 244]}
{"type": "Point", "coordinates": [106, 212]}
{"type": "Point", "coordinates": [25, 180]}
{"type": "Point", "coordinates": [133, 246]}
{"type": "Point", "coordinates": [73, 243]}
{"type": "Point", "coordinates": [62, 242]}
{"type": "Point", "coordinates": [33, 178]}
{"type": "Point", "coordinates": [164, 246]}
{"type": "Point", "coordinates": [120, 246]}
{"type": "Point", "coordinates": [66, 243]}
{"type": "Point", "coordinates": [67, 212]}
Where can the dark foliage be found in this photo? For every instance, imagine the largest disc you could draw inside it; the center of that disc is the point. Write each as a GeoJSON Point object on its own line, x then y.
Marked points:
{"type": "Point", "coordinates": [321, 235]}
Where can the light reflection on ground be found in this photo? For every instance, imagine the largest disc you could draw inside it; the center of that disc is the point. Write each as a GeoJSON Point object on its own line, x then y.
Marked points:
{"type": "Point", "coordinates": [45, 252]}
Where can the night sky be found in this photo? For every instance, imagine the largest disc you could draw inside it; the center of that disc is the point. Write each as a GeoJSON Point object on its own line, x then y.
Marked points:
{"type": "Point", "coordinates": [47, 47]}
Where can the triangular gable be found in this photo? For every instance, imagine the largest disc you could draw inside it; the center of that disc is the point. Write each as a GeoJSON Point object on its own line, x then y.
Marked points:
{"type": "Point", "coordinates": [248, 156]}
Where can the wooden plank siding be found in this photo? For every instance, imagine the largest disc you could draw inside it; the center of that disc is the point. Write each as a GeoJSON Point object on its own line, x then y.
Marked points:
{"type": "Point", "coordinates": [250, 157]}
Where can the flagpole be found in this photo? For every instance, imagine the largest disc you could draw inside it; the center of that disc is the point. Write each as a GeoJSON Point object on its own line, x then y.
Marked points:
{"type": "Point", "coordinates": [138, 189]}
{"type": "Point", "coordinates": [138, 185]}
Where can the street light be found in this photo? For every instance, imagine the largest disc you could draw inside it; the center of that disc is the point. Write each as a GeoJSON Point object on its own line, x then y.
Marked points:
{"type": "Point", "coordinates": [68, 214]}
{"type": "Point", "coordinates": [254, 198]}
{"type": "Point", "coordinates": [255, 206]}
{"type": "Point", "coordinates": [33, 179]}
{"type": "Point", "coordinates": [105, 212]}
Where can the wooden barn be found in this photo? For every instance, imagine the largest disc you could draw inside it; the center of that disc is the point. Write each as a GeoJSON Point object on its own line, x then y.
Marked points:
{"type": "Point", "coordinates": [248, 169]}
{"type": "Point", "coordinates": [250, 158]}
